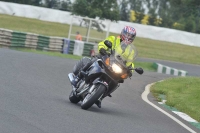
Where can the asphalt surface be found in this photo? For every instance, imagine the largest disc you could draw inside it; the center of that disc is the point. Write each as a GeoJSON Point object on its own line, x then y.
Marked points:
{"type": "Point", "coordinates": [193, 70]}
{"type": "Point", "coordinates": [34, 93]}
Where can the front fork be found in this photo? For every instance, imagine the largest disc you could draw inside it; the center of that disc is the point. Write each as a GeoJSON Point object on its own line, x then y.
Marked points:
{"type": "Point", "coordinates": [99, 81]}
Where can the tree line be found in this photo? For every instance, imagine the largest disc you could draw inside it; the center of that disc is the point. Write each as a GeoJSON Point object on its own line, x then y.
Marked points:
{"type": "Point", "coordinates": [55, 4]}
{"type": "Point", "coordinates": [177, 14]}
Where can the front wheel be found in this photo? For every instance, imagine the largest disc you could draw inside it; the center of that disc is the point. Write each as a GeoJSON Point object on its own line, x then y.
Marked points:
{"type": "Point", "coordinates": [90, 99]}
{"type": "Point", "coordinates": [73, 98]}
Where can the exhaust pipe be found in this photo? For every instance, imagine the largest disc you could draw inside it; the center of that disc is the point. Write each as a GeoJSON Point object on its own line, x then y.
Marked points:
{"type": "Point", "coordinates": [71, 77]}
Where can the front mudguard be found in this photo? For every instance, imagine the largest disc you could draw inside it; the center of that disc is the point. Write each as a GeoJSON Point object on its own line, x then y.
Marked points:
{"type": "Point", "coordinates": [98, 81]}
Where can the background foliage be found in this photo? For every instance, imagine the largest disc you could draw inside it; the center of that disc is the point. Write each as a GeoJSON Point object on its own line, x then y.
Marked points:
{"type": "Point", "coordinates": [177, 14]}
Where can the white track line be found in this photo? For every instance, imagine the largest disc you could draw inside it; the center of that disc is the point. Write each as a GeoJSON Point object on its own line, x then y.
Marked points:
{"type": "Point", "coordinates": [144, 97]}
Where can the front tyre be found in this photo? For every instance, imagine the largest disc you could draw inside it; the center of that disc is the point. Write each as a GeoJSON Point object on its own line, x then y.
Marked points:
{"type": "Point", "coordinates": [90, 99]}
{"type": "Point", "coordinates": [73, 98]}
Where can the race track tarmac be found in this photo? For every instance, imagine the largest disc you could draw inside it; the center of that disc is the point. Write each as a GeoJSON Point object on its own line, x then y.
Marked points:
{"type": "Point", "coordinates": [34, 92]}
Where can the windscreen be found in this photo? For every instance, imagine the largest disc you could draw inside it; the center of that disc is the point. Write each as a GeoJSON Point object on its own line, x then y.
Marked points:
{"type": "Point", "coordinates": [127, 52]}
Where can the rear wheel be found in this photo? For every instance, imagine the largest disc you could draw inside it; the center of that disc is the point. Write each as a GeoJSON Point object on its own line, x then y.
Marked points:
{"type": "Point", "coordinates": [73, 98]}
{"type": "Point", "coordinates": [90, 99]}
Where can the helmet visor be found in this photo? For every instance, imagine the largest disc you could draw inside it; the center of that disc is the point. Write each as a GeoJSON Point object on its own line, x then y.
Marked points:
{"type": "Point", "coordinates": [128, 36]}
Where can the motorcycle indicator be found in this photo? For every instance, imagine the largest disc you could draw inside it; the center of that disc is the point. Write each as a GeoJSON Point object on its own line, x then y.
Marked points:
{"type": "Point", "coordinates": [107, 61]}
{"type": "Point", "coordinates": [124, 76]}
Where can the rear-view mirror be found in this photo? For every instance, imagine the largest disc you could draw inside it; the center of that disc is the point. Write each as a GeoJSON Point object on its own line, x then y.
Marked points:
{"type": "Point", "coordinates": [139, 70]}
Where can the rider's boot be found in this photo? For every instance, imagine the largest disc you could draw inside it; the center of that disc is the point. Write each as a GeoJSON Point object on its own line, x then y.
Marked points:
{"type": "Point", "coordinates": [78, 78]}
{"type": "Point", "coordinates": [109, 95]}
{"type": "Point", "coordinates": [81, 74]}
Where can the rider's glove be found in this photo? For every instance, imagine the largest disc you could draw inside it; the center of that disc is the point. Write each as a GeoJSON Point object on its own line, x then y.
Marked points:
{"type": "Point", "coordinates": [129, 71]}
{"type": "Point", "coordinates": [130, 74]}
{"type": "Point", "coordinates": [103, 51]}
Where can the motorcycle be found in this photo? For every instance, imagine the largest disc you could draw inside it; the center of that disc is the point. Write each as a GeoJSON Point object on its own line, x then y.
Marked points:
{"type": "Point", "coordinates": [107, 71]}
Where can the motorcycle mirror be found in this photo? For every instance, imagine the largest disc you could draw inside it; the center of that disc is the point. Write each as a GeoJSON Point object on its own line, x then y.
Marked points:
{"type": "Point", "coordinates": [139, 70]}
{"type": "Point", "coordinates": [108, 43]}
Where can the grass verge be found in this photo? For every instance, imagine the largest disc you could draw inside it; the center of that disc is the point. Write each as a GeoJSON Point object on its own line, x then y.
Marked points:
{"type": "Point", "coordinates": [148, 66]}
{"type": "Point", "coordinates": [183, 93]}
{"type": "Point", "coordinates": [147, 48]}
{"type": "Point", "coordinates": [145, 65]}
{"type": "Point", "coordinates": [57, 54]}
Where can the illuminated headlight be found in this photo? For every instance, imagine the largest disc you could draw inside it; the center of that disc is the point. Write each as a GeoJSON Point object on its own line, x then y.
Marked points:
{"type": "Point", "coordinates": [116, 68]}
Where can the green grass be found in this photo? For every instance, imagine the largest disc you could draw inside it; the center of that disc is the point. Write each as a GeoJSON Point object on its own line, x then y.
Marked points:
{"type": "Point", "coordinates": [168, 51]}
{"type": "Point", "coordinates": [183, 93]}
{"type": "Point", "coordinates": [146, 47]}
{"type": "Point", "coordinates": [146, 66]}
{"type": "Point", "coordinates": [33, 26]}
{"type": "Point", "coordinates": [56, 54]}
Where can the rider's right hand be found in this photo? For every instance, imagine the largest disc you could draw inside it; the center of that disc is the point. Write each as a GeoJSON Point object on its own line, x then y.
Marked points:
{"type": "Point", "coordinates": [130, 74]}
{"type": "Point", "coordinates": [129, 71]}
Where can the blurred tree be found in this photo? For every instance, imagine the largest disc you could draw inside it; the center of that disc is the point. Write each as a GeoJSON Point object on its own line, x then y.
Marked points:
{"type": "Point", "coordinates": [124, 11]}
{"type": "Point", "coordinates": [29, 2]}
{"type": "Point", "coordinates": [132, 16]}
{"type": "Point", "coordinates": [51, 4]}
{"type": "Point", "coordinates": [136, 10]}
{"type": "Point", "coordinates": [107, 9]}
{"type": "Point", "coordinates": [158, 21]}
{"type": "Point", "coordinates": [137, 5]}
{"type": "Point", "coordinates": [178, 14]}
{"type": "Point", "coordinates": [190, 25]}
{"type": "Point", "coordinates": [158, 12]}
{"type": "Point", "coordinates": [145, 20]}
{"type": "Point", "coordinates": [36, 2]}
{"type": "Point", "coordinates": [139, 17]}
{"type": "Point", "coordinates": [66, 5]}
{"type": "Point", "coordinates": [178, 26]}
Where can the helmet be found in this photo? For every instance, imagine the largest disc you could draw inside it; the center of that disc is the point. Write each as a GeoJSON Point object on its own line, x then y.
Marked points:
{"type": "Point", "coordinates": [128, 34]}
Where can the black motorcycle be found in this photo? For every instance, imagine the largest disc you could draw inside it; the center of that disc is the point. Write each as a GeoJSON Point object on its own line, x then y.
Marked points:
{"type": "Point", "coordinates": [103, 76]}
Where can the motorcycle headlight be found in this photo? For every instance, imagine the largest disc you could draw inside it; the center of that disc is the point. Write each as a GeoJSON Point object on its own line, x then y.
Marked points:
{"type": "Point", "coordinates": [116, 68]}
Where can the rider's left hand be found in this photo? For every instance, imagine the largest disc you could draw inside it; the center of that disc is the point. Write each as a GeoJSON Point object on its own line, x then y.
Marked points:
{"type": "Point", "coordinates": [130, 74]}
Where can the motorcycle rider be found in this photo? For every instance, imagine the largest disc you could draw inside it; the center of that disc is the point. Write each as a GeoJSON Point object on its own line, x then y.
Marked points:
{"type": "Point", "coordinates": [127, 35]}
